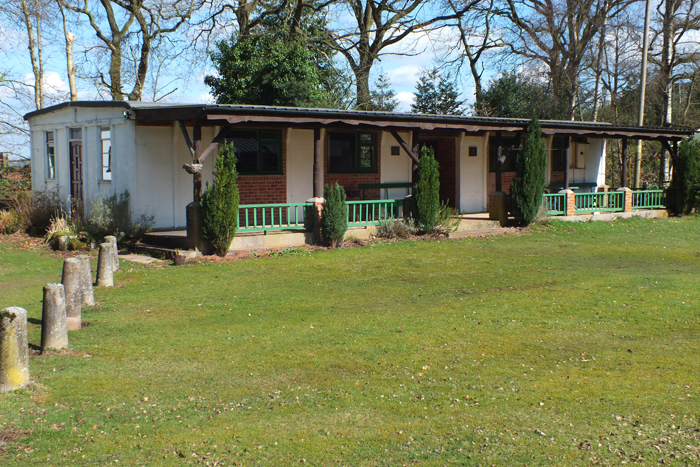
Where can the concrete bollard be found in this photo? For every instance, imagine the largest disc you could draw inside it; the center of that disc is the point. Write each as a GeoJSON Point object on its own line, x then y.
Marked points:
{"type": "Point", "coordinates": [112, 240]}
{"type": "Point", "coordinates": [72, 281]}
{"type": "Point", "coordinates": [14, 349]}
{"type": "Point", "coordinates": [86, 280]}
{"type": "Point", "coordinates": [105, 277]}
{"type": "Point", "coordinates": [54, 325]}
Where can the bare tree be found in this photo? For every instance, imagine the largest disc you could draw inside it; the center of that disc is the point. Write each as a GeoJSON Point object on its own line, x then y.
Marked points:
{"type": "Point", "coordinates": [378, 25]}
{"type": "Point", "coordinates": [70, 66]}
{"type": "Point", "coordinates": [32, 21]}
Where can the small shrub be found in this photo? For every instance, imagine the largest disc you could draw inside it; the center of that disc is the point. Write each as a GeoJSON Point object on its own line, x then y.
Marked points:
{"type": "Point", "coordinates": [447, 220]}
{"type": "Point", "coordinates": [427, 193]}
{"type": "Point", "coordinates": [39, 211]}
{"type": "Point", "coordinates": [8, 221]}
{"type": "Point", "coordinates": [111, 215]}
{"type": "Point", "coordinates": [334, 219]}
{"type": "Point", "coordinates": [60, 226]}
{"type": "Point", "coordinates": [682, 195]}
{"type": "Point", "coordinates": [527, 188]}
{"type": "Point", "coordinates": [395, 229]}
{"type": "Point", "coordinates": [220, 203]}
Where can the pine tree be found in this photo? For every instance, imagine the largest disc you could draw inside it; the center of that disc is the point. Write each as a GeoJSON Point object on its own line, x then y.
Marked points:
{"type": "Point", "coordinates": [383, 98]}
{"type": "Point", "coordinates": [220, 203]}
{"type": "Point", "coordinates": [436, 94]}
{"type": "Point", "coordinates": [527, 187]}
{"type": "Point", "coordinates": [683, 192]}
{"type": "Point", "coordinates": [427, 192]}
{"type": "Point", "coordinates": [334, 217]}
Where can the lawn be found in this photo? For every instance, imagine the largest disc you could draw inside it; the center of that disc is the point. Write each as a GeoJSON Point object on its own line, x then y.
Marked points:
{"type": "Point", "coordinates": [574, 344]}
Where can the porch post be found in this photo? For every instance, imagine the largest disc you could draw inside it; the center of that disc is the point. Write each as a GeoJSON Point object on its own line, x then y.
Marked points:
{"type": "Point", "coordinates": [197, 178]}
{"type": "Point", "coordinates": [623, 176]}
{"type": "Point", "coordinates": [499, 162]}
{"type": "Point", "coordinates": [318, 164]}
{"type": "Point", "coordinates": [566, 165]}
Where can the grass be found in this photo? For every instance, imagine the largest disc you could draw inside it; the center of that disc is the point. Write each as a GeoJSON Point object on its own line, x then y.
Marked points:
{"type": "Point", "coordinates": [575, 345]}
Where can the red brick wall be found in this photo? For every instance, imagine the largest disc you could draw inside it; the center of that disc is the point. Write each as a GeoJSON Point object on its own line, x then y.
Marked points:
{"type": "Point", "coordinates": [557, 177]}
{"type": "Point", "coordinates": [351, 182]}
{"type": "Point", "coordinates": [265, 189]}
{"type": "Point", "coordinates": [506, 178]}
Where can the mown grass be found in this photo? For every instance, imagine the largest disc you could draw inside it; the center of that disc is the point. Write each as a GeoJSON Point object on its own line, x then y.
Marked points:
{"type": "Point", "coordinates": [577, 344]}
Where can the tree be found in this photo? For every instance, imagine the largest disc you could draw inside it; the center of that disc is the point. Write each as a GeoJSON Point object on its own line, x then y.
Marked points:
{"type": "Point", "coordinates": [32, 21]}
{"type": "Point", "coordinates": [382, 97]}
{"type": "Point", "coordinates": [436, 94]}
{"type": "Point", "coordinates": [378, 25]}
{"type": "Point", "coordinates": [557, 34]}
{"type": "Point", "coordinates": [334, 217]}
{"type": "Point", "coordinates": [515, 96]}
{"type": "Point", "coordinates": [220, 203]}
{"type": "Point", "coordinates": [151, 20]}
{"type": "Point", "coordinates": [427, 191]}
{"type": "Point", "coordinates": [682, 195]}
{"type": "Point", "coordinates": [527, 188]}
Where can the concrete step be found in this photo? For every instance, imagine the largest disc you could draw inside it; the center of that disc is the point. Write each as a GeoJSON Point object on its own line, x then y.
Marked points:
{"type": "Point", "coordinates": [478, 224]}
{"type": "Point", "coordinates": [161, 252]}
{"type": "Point", "coordinates": [169, 240]}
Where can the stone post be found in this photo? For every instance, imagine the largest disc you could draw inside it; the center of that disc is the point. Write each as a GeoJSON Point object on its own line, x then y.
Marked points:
{"type": "Point", "coordinates": [72, 282]}
{"type": "Point", "coordinates": [498, 207]}
{"type": "Point", "coordinates": [112, 240]}
{"type": "Point", "coordinates": [54, 325]}
{"type": "Point", "coordinates": [86, 280]}
{"type": "Point", "coordinates": [14, 349]}
{"type": "Point", "coordinates": [318, 214]}
{"type": "Point", "coordinates": [570, 202]}
{"type": "Point", "coordinates": [105, 274]}
{"type": "Point", "coordinates": [628, 198]}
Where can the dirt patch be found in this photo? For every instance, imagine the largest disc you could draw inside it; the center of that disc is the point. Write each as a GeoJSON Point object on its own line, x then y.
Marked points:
{"type": "Point", "coordinates": [11, 435]}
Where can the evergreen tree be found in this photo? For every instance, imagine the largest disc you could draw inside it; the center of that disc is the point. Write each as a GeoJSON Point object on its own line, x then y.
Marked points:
{"type": "Point", "coordinates": [220, 203]}
{"type": "Point", "coordinates": [427, 191]}
{"type": "Point", "coordinates": [513, 96]}
{"type": "Point", "coordinates": [334, 217]}
{"type": "Point", "coordinates": [436, 94]}
{"type": "Point", "coordinates": [383, 98]}
{"type": "Point", "coordinates": [682, 195]}
{"type": "Point", "coordinates": [527, 187]}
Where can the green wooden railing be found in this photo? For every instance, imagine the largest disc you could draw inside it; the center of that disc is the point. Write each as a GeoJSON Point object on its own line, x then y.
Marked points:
{"type": "Point", "coordinates": [554, 204]}
{"type": "Point", "coordinates": [648, 199]}
{"type": "Point", "coordinates": [372, 212]}
{"type": "Point", "coordinates": [610, 201]}
{"type": "Point", "coordinates": [264, 217]}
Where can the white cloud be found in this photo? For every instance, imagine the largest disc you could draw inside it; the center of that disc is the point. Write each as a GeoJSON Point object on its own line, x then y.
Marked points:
{"type": "Point", "coordinates": [206, 99]}
{"type": "Point", "coordinates": [405, 100]}
{"type": "Point", "coordinates": [405, 76]}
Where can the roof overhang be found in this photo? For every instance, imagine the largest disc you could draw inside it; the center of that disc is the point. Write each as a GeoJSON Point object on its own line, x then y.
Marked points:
{"type": "Point", "coordinates": [219, 115]}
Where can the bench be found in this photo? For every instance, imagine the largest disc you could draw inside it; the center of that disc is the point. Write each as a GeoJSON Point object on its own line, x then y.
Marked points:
{"type": "Point", "coordinates": [385, 187]}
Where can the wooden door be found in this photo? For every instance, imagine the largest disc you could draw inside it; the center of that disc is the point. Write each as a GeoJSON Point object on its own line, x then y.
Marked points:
{"type": "Point", "coordinates": [76, 176]}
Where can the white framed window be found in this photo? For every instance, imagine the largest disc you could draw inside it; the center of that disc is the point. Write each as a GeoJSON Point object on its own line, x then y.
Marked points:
{"type": "Point", "coordinates": [50, 155]}
{"type": "Point", "coordinates": [106, 150]}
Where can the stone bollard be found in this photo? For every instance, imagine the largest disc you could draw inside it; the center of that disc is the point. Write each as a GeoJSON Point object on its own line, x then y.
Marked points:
{"type": "Point", "coordinates": [86, 280]}
{"type": "Point", "coordinates": [54, 325]}
{"type": "Point", "coordinates": [112, 240]}
{"type": "Point", "coordinates": [72, 281]}
{"type": "Point", "coordinates": [14, 349]}
{"type": "Point", "coordinates": [105, 276]}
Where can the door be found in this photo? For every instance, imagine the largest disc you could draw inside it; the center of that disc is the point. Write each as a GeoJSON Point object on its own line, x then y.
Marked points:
{"type": "Point", "coordinates": [76, 176]}
{"type": "Point", "coordinates": [444, 149]}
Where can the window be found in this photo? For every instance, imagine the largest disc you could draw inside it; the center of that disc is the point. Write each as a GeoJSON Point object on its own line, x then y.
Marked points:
{"type": "Point", "coordinates": [50, 155]}
{"type": "Point", "coordinates": [352, 152]}
{"type": "Point", "coordinates": [257, 151]}
{"type": "Point", "coordinates": [558, 157]}
{"type": "Point", "coordinates": [76, 134]}
{"type": "Point", "coordinates": [106, 148]}
{"type": "Point", "coordinates": [510, 155]}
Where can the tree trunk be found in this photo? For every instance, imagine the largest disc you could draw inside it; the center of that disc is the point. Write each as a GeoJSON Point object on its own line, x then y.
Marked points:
{"type": "Point", "coordinates": [71, 68]}
{"type": "Point", "coordinates": [34, 54]}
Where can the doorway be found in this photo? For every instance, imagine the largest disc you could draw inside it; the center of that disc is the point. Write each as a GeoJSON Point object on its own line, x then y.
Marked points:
{"type": "Point", "coordinates": [76, 170]}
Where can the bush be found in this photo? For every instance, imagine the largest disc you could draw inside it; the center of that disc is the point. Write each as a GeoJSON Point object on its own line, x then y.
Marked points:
{"type": "Point", "coordinates": [38, 211]}
{"type": "Point", "coordinates": [220, 203]}
{"type": "Point", "coordinates": [527, 188]}
{"type": "Point", "coordinates": [111, 215]}
{"type": "Point", "coordinates": [8, 221]}
{"type": "Point", "coordinates": [334, 218]}
{"type": "Point", "coordinates": [395, 228]}
{"type": "Point", "coordinates": [682, 195]}
{"type": "Point", "coordinates": [427, 192]}
{"type": "Point", "coordinates": [447, 220]}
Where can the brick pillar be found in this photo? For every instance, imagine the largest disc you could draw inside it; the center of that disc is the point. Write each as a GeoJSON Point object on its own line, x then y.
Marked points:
{"type": "Point", "coordinates": [570, 202]}
{"type": "Point", "coordinates": [628, 198]}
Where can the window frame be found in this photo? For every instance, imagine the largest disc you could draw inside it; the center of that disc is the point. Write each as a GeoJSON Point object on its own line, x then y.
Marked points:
{"type": "Point", "coordinates": [50, 152]}
{"type": "Point", "coordinates": [357, 169]}
{"type": "Point", "coordinates": [562, 156]}
{"type": "Point", "coordinates": [230, 135]}
{"type": "Point", "coordinates": [101, 129]}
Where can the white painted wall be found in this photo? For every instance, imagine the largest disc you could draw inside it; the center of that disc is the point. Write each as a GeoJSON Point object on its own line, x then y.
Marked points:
{"type": "Point", "coordinates": [593, 154]}
{"type": "Point", "coordinates": [471, 174]}
{"type": "Point", "coordinates": [300, 164]}
{"type": "Point", "coordinates": [394, 169]}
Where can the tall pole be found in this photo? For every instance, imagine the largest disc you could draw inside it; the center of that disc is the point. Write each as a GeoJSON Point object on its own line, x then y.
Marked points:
{"type": "Point", "coordinates": [642, 92]}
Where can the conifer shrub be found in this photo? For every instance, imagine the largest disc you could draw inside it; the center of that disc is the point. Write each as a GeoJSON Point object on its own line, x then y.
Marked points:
{"type": "Point", "coordinates": [682, 194]}
{"type": "Point", "coordinates": [220, 203]}
{"type": "Point", "coordinates": [527, 188]}
{"type": "Point", "coordinates": [427, 191]}
{"type": "Point", "coordinates": [334, 217]}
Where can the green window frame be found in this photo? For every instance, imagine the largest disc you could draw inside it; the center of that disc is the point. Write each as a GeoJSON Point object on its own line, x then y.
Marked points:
{"type": "Point", "coordinates": [507, 142]}
{"type": "Point", "coordinates": [352, 152]}
{"type": "Point", "coordinates": [258, 152]}
{"type": "Point", "coordinates": [50, 155]}
{"type": "Point", "coordinates": [558, 154]}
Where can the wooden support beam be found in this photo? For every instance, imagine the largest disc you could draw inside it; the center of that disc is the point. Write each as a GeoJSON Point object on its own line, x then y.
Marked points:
{"type": "Point", "coordinates": [214, 145]}
{"type": "Point", "coordinates": [188, 141]}
{"type": "Point", "coordinates": [623, 175]}
{"type": "Point", "coordinates": [499, 161]}
{"type": "Point", "coordinates": [197, 147]}
{"type": "Point", "coordinates": [405, 147]}
{"type": "Point", "coordinates": [566, 164]}
{"type": "Point", "coordinates": [318, 164]}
